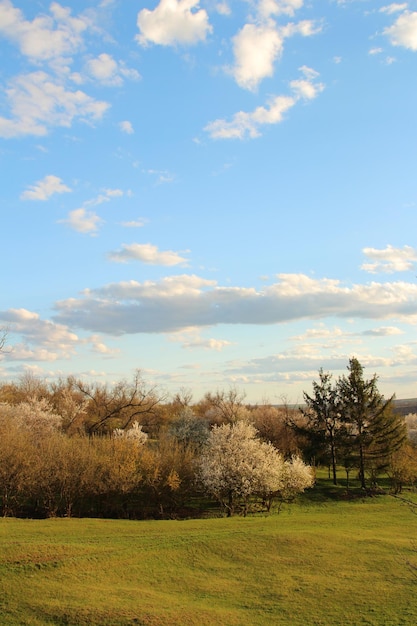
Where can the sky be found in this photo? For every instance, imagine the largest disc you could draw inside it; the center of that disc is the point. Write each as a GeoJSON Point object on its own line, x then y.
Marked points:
{"type": "Point", "coordinates": [222, 194]}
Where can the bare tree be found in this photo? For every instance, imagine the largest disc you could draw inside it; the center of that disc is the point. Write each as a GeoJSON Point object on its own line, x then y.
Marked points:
{"type": "Point", "coordinates": [117, 406]}
{"type": "Point", "coordinates": [225, 407]}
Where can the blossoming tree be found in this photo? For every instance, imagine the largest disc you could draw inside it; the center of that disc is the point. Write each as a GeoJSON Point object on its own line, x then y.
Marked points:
{"type": "Point", "coordinates": [236, 466]}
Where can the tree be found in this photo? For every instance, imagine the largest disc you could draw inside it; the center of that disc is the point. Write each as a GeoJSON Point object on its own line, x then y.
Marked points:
{"type": "Point", "coordinates": [117, 406]}
{"type": "Point", "coordinates": [374, 431]}
{"type": "Point", "coordinates": [411, 424]}
{"type": "Point", "coordinates": [236, 465]}
{"type": "Point", "coordinates": [274, 425]}
{"type": "Point", "coordinates": [324, 426]}
{"type": "Point", "coordinates": [3, 339]}
{"type": "Point", "coordinates": [224, 407]}
{"type": "Point", "coordinates": [402, 468]}
{"type": "Point", "coordinates": [188, 428]}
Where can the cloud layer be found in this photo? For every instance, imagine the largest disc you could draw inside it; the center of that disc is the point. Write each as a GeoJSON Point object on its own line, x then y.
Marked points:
{"type": "Point", "coordinates": [182, 301]}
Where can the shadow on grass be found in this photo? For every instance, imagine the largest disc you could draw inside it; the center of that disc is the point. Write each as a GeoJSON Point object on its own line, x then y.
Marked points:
{"type": "Point", "coordinates": [324, 491]}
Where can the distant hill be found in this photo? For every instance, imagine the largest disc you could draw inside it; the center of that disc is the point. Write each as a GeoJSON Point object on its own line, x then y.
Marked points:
{"type": "Point", "coordinates": [404, 407]}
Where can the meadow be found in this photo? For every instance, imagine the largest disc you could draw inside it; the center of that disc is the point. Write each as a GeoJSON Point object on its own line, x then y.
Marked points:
{"type": "Point", "coordinates": [320, 561]}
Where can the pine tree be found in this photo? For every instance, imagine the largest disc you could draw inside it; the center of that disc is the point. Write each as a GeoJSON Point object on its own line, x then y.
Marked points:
{"type": "Point", "coordinates": [374, 431]}
{"type": "Point", "coordinates": [324, 427]}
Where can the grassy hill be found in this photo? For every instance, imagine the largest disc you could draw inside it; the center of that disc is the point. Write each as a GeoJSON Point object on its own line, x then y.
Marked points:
{"type": "Point", "coordinates": [316, 563]}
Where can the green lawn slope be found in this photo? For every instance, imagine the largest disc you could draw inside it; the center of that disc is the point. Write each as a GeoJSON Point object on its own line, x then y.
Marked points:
{"type": "Point", "coordinates": [316, 563]}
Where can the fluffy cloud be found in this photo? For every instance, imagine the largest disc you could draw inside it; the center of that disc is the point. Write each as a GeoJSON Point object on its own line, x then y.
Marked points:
{"type": "Point", "coordinates": [173, 22]}
{"type": "Point", "coordinates": [43, 340]}
{"type": "Point", "coordinates": [180, 302]}
{"type": "Point", "coordinates": [99, 347]}
{"type": "Point", "coordinates": [147, 253]}
{"type": "Point", "coordinates": [88, 222]}
{"type": "Point", "coordinates": [255, 48]}
{"type": "Point", "coordinates": [38, 102]}
{"type": "Point", "coordinates": [83, 221]}
{"type": "Point", "coordinates": [52, 340]}
{"type": "Point", "coordinates": [259, 44]}
{"type": "Point", "coordinates": [46, 37]}
{"type": "Point", "coordinates": [266, 8]}
{"type": "Point", "coordinates": [110, 72]}
{"type": "Point", "coordinates": [126, 127]}
{"type": "Point", "coordinates": [246, 124]}
{"type": "Point", "coordinates": [190, 338]}
{"type": "Point", "coordinates": [41, 99]}
{"type": "Point", "coordinates": [302, 365]}
{"type": "Point", "coordinates": [404, 31]}
{"type": "Point", "coordinates": [390, 259]}
{"type": "Point", "coordinates": [207, 344]}
{"type": "Point", "coordinates": [44, 189]}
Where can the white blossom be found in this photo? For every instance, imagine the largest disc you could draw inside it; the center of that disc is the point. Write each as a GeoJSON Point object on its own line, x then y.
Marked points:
{"type": "Point", "coordinates": [134, 434]}
{"type": "Point", "coordinates": [36, 415]}
{"type": "Point", "coordinates": [236, 465]}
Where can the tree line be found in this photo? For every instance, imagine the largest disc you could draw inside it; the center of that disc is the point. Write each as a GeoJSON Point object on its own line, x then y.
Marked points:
{"type": "Point", "coordinates": [126, 450]}
{"type": "Point", "coordinates": [349, 423]}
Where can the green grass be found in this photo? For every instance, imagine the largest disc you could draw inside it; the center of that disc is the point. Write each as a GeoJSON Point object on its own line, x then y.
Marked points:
{"type": "Point", "coordinates": [317, 563]}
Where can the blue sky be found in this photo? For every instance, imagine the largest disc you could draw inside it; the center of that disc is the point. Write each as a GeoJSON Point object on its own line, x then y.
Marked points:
{"type": "Point", "coordinates": [219, 193]}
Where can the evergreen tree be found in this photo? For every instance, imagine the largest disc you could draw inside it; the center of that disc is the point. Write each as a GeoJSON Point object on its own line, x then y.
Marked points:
{"type": "Point", "coordinates": [374, 431]}
{"type": "Point", "coordinates": [324, 428]}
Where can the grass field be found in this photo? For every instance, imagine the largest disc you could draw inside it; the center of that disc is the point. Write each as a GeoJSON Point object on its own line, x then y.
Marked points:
{"type": "Point", "coordinates": [317, 563]}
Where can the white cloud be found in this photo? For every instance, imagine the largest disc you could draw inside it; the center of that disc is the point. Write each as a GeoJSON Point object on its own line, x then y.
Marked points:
{"type": "Point", "coordinates": [126, 127]}
{"type": "Point", "coordinates": [390, 259]}
{"type": "Point", "coordinates": [138, 223]}
{"type": "Point", "coordinates": [173, 22]}
{"type": "Point", "coordinates": [37, 102]}
{"type": "Point", "coordinates": [100, 347]}
{"type": "Point", "coordinates": [302, 365]}
{"type": "Point", "coordinates": [162, 176]}
{"type": "Point", "coordinates": [45, 38]}
{"type": "Point", "coordinates": [105, 196]}
{"type": "Point", "coordinates": [104, 69]}
{"type": "Point", "coordinates": [320, 332]}
{"type": "Point", "coordinates": [404, 31]}
{"type": "Point", "coordinates": [383, 331]}
{"type": "Point", "coordinates": [179, 302]}
{"type": "Point", "coordinates": [305, 88]}
{"type": "Point", "coordinates": [44, 189]}
{"type": "Point", "coordinates": [248, 124]}
{"type": "Point", "coordinates": [108, 71]}
{"type": "Point", "coordinates": [114, 193]}
{"type": "Point", "coordinates": [305, 28]}
{"type": "Point", "coordinates": [190, 338]}
{"type": "Point", "coordinates": [223, 8]}
{"type": "Point", "coordinates": [266, 8]}
{"type": "Point", "coordinates": [83, 221]}
{"type": "Point", "coordinates": [255, 48]}
{"type": "Point", "coordinates": [207, 344]}
{"type": "Point", "coordinates": [147, 253]}
{"type": "Point", "coordinates": [51, 340]}
{"type": "Point", "coordinates": [394, 8]}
